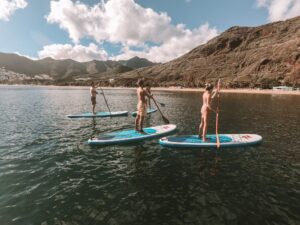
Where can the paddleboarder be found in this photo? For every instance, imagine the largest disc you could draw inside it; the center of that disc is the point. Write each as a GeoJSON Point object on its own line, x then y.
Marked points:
{"type": "Point", "coordinates": [93, 92]}
{"type": "Point", "coordinates": [142, 105]}
{"type": "Point", "coordinates": [207, 97]}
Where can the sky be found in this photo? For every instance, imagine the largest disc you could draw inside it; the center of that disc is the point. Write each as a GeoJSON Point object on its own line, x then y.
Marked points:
{"type": "Point", "coordinates": [159, 30]}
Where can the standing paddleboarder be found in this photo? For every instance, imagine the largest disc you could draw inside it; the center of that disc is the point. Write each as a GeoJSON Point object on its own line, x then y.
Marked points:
{"type": "Point", "coordinates": [93, 92]}
{"type": "Point", "coordinates": [207, 97]}
{"type": "Point", "coordinates": [142, 105]}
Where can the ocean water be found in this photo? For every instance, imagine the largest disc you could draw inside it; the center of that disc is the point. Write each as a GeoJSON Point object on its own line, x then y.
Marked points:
{"type": "Point", "coordinates": [49, 175]}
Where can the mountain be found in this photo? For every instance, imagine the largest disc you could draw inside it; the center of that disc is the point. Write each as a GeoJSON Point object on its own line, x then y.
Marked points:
{"type": "Point", "coordinates": [95, 66]}
{"type": "Point", "coordinates": [263, 56]}
{"type": "Point", "coordinates": [137, 62]}
{"type": "Point", "coordinates": [64, 71]}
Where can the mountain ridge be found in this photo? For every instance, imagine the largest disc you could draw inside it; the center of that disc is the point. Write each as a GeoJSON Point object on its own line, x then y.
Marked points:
{"type": "Point", "coordinates": [65, 70]}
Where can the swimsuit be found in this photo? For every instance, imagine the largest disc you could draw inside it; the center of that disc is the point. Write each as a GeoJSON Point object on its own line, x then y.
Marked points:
{"type": "Point", "coordinates": [93, 100]}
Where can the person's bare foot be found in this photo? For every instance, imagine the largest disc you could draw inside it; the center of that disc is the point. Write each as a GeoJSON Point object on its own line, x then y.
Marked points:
{"type": "Point", "coordinates": [204, 140]}
{"type": "Point", "coordinates": [141, 131]}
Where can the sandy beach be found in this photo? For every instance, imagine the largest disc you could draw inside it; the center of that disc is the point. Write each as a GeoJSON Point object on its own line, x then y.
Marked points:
{"type": "Point", "coordinates": [238, 91]}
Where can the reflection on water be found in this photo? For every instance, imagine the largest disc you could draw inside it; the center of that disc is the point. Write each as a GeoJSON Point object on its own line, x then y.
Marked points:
{"type": "Point", "coordinates": [49, 175]}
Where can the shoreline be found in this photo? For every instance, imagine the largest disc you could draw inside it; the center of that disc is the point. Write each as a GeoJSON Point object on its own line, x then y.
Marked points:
{"type": "Point", "coordinates": [172, 89]}
{"type": "Point", "coordinates": [232, 91]}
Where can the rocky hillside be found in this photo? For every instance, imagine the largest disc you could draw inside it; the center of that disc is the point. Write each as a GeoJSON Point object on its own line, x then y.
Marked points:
{"type": "Point", "coordinates": [61, 71]}
{"type": "Point", "coordinates": [262, 56]}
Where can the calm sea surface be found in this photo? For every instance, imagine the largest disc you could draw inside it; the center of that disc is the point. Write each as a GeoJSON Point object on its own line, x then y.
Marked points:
{"type": "Point", "coordinates": [49, 175]}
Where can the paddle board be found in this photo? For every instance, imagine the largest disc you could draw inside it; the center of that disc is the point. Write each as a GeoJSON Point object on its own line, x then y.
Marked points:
{"type": "Point", "coordinates": [148, 111]}
{"type": "Point", "coordinates": [98, 114]}
{"type": "Point", "coordinates": [226, 140]}
{"type": "Point", "coordinates": [128, 136]}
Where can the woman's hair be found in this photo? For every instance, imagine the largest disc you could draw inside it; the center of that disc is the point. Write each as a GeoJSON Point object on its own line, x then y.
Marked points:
{"type": "Point", "coordinates": [92, 83]}
{"type": "Point", "coordinates": [209, 87]}
{"type": "Point", "coordinates": [140, 82]}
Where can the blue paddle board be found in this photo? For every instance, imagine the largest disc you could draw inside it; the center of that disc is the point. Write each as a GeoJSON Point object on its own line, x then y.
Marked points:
{"type": "Point", "coordinates": [98, 114]}
{"type": "Point", "coordinates": [129, 136]}
{"type": "Point", "coordinates": [226, 140]}
{"type": "Point", "coordinates": [148, 111]}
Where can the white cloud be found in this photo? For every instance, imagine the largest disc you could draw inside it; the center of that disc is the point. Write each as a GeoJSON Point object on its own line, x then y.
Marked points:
{"type": "Point", "coordinates": [27, 56]}
{"type": "Point", "coordinates": [117, 21]}
{"type": "Point", "coordinates": [126, 22]}
{"type": "Point", "coordinates": [280, 9]}
{"type": "Point", "coordinates": [174, 47]}
{"type": "Point", "coordinates": [79, 53]}
{"type": "Point", "coordinates": [8, 7]}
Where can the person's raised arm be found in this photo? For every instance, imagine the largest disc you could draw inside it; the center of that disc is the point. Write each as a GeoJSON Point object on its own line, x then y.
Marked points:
{"type": "Point", "coordinates": [209, 99]}
{"type": "Point", "coordinates": [97, 86]}
{"type": "Point", "coordinates": [149, 95]}
{"type": "Point", "coordinates": [214, 93]}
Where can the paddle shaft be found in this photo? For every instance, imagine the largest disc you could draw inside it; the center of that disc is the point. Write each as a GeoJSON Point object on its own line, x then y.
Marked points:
{"type": "Point", "coordinates": [164, 118]}
{"type": "Point", "coordinates": [217, 116]}
{"type": "Point", "coordinates": [149, 103]}
{"type": "Point", "coordinates": [161, 104]}
{"type": "Point", "coordinates": [105, 100]}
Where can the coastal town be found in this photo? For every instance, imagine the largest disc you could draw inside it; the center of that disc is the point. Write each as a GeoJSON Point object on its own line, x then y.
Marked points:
{"type": "Point", "coordinates": [8, 75]}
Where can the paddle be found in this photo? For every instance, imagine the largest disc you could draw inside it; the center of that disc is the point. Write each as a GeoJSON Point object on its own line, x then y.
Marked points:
{"type": "Point", "coordinates": [161, 104]}
{"type": "Point", "coordinates": [163, 117]}
{"type": "Point", "coordinates": [217, 114]}
{"type": "Point", "coordinates": [105, 100]}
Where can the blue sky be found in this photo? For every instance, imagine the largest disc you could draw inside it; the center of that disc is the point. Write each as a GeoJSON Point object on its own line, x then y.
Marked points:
{"type": "Point", "coordinates": [159, 30]}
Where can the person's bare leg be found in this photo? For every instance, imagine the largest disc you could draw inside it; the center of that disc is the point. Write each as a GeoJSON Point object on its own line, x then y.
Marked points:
{"type": "Point", "coordinates": [141, 123]}
{"type": "Point", "coordinates": [94, 109]}
{"type": "Point", "coordinates": [137, 121]}
{"type": "Point", "coordinates": [204, 128]}
{"type": "Point", "coordinates": [200, 127]}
